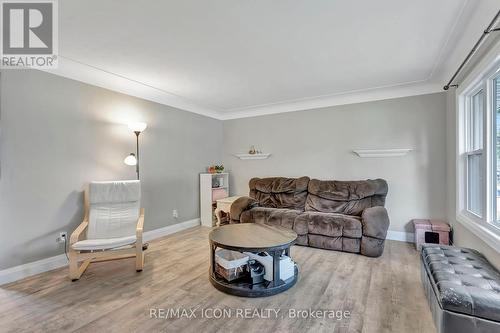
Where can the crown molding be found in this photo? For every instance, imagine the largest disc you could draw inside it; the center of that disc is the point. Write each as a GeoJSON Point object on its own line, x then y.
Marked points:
{"type": "Point", "coordinates": [92, 75]}
{"type": "Point", "coordinates": [359, 96]}
{"type": "Point", "coordinates": [95, 76]}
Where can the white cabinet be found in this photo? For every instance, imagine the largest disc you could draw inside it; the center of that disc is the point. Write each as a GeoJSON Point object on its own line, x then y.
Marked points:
{"type": "Point", "coordinates": [212, 187]}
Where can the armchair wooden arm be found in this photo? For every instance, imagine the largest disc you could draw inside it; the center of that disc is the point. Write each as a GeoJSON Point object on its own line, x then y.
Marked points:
{"type": "Point", "coordinates": [74, 271]}
{"type": "Point", "coordinates": [75, 236]}
{"type": "Point", "coordinates": [140, 223]}
{"type": "Point", "coordinates": [139, 259]}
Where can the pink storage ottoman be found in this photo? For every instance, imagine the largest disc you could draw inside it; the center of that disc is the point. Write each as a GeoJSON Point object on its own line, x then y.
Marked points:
{"type": "Point", "coordinates": [431, 231]}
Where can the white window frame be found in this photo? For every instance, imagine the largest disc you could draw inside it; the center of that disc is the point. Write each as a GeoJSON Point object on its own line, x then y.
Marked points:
{"type": "Point", "coordinates": [481, 77]}
{"type": "Point", "coordinates": [493, 170]}
{"type": "Point", "coordinates": [468, 151]}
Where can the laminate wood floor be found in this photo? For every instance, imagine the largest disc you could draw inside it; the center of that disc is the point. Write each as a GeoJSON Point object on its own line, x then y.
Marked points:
{"type": "Point", "coordinates": [381, 294]}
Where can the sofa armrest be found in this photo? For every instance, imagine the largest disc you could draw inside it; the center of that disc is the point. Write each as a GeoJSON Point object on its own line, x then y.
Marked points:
{"type": "Point", "coordinates": [240, 205]}
{"type": "Point", "coordinates": [375, 221]}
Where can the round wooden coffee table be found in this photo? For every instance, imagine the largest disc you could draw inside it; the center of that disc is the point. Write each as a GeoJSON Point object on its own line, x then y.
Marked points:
{"type": "Point", "coordinates": [256, 238]}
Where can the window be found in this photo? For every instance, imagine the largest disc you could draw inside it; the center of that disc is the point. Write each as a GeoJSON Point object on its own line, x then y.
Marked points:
{"type": "Point", "coordinates": [479, 173]}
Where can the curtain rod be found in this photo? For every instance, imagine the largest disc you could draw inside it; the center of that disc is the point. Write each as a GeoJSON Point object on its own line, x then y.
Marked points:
{"type": "Point", "coordinates": [486, 32]}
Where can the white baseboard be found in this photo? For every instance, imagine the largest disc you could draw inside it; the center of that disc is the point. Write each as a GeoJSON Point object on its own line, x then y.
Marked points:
{"type": "Point", "coordinates": [32, 268]}
{"type": "Point", "coordinates": [22, 271]}
{"type": "Point", "coordinates": [170, 229]}
{"type": "Point", "coordinates": [401, 236]}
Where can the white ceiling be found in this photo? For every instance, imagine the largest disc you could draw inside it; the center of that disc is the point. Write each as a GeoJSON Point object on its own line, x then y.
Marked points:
{"type": "Point", "coordinates": [232, 58]}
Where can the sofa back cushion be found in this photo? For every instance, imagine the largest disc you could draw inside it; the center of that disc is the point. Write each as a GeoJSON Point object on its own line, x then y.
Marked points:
{"type": "Point", "coordinates": [345, 197]}
{"type": "Point", "coordinates": [280, 192]}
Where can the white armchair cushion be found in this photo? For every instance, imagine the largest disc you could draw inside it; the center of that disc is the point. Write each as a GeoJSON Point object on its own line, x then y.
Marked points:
{"type": "Point", "coordinates": [114, 191]}
{"type": "Point", "coordinates": [114, 209]}
{"type": "Point", "coordinates": [103, 244]}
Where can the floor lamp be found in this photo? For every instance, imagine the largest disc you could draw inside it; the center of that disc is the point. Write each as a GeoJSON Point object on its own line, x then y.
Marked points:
{"type": "Point", "coordinates": [133, 159]}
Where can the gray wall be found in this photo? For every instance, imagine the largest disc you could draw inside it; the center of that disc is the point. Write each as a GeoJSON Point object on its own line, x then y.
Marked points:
{"type": "Point", "coordinates": [57, 134]}
{"type": "Point", "coordinates": [319, 143]}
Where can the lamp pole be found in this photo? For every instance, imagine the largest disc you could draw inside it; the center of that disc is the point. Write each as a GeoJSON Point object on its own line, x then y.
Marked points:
{"type": "Point", "coordinates": [133, 159]}
{"type": "Point", "coordinates": [137, 153]}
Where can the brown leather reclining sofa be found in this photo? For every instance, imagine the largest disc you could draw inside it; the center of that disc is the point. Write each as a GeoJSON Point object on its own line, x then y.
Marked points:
{"type": "Point", "coordinates": [335, 215]}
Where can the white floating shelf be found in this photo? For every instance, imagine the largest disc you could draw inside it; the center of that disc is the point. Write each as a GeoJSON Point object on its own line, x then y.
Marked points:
{"type": "Point", "coordinates": [382, 152]}
{"type": "Point", "coordinates": [252, 156]}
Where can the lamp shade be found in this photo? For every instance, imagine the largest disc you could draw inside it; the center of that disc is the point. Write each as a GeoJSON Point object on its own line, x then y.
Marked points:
{"type": "Point", "coordinates": [130, 159]}
{"type": "Point", "coordinates": [137, 127]}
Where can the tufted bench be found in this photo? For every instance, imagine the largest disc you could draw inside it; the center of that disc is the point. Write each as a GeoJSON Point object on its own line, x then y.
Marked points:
{"type": "Point", "coordinates": [463, 289]}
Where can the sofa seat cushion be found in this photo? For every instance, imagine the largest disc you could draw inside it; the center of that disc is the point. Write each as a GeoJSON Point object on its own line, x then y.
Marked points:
{"type": "Point", "coordinates": [463, 280]}
{"type": "Point", "coordinates": [330, 224]}
{"type": "Point", "coordinates": [335, 243]}
{"type": "Point", "coordinates": [273, 216]}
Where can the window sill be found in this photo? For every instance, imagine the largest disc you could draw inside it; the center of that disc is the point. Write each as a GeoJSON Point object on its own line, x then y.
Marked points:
{"type": "Point", "coordinates": [487, 233]}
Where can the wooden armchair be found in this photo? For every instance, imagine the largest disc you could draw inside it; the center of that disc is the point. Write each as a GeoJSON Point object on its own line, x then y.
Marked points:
{"type": "Point", "coordinates": [111, 228]}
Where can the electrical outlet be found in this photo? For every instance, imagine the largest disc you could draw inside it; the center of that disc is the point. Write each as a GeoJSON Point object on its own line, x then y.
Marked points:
{"type": "Point", "coordinates": [63, 236]}
{"type": "Point", "coordinates": [175, 213]}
